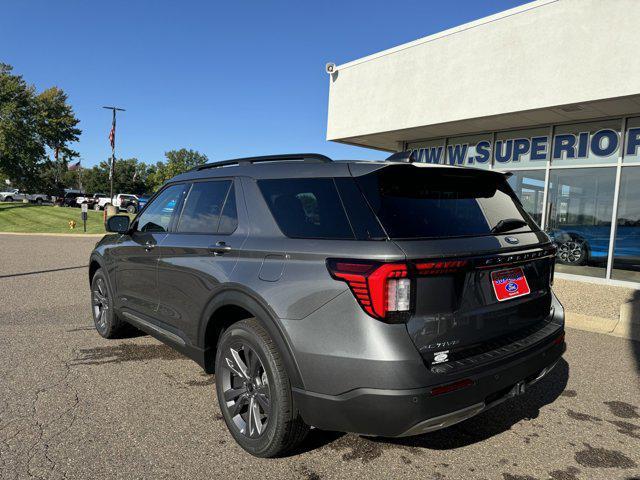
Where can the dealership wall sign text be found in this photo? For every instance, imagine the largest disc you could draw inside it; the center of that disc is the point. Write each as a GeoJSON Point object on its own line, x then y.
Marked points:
{"type": "Point", "coordinates": [602, 143]}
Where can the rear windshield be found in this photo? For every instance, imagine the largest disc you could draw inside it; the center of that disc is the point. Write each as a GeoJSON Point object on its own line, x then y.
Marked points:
{"type": "Point", "coordinates": [417, 202]}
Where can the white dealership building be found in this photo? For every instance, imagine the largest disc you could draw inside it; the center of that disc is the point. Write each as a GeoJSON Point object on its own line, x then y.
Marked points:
{"type": "Point", "coordinates": [549, 91]}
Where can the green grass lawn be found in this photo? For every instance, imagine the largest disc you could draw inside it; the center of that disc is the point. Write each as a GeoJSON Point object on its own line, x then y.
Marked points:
{"type": "Point", "coordinates": [27, 218]}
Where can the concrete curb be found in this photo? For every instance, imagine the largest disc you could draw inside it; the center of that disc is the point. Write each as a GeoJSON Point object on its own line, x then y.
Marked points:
{"type": "Point", "coordinates": [629, 324]}
{"type": "Point", "coordinates": [68, 235]}
{"type": "Point", "coordinates": [626, 326]}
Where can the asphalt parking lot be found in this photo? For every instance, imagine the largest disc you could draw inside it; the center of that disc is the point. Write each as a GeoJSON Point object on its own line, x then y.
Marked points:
{"type": "Point", "coordinates": [73, 405]}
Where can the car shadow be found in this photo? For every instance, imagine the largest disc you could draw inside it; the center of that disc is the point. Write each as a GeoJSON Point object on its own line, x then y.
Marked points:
{"type": "Point", "coordinates": [125, 352]}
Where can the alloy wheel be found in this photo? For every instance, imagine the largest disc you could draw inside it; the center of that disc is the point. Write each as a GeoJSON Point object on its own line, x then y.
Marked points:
{"type": "Point", "coordinates": [570, 252]}
{"type": "Point", "coordinates": [100, 300]}
{"type": "Point", "coordinates": [245, 388]}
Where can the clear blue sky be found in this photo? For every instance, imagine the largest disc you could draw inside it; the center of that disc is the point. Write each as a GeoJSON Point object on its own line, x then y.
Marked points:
{"type": "Point", "coordinates": [226, 78]}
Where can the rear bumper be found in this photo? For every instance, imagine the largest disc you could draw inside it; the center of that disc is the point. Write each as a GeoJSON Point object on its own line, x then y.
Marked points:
{"type": "Point", "coordinates": [395, 413]}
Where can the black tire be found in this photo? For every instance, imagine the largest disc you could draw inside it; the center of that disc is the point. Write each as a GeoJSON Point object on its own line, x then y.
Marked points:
{"type": "Point", "coordinates": [8, 199]}
{"type": "Point", "coordinates": [39, 201]}
{"type": "Point", "coordinates": [283, 428]}
{"type": "Point", "coordinates": [131, 209]}
{"type": "Point", "coordinates": [105, 320]}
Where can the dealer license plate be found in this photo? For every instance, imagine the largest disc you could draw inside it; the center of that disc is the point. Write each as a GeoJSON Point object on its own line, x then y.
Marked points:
{"type": "Point", "coordinates": [508, 284]}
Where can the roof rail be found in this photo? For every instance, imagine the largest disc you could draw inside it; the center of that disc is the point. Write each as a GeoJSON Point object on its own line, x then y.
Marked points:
{"type": "Point", "coordinates": [404, 157]}
{"type": "Point", "coordinates": [290, 157]}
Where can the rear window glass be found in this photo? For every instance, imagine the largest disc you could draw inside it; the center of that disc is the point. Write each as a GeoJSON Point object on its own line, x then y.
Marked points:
{"type": "Point", "coordinates": [229, 217]}
{"type": "Point", "coordinates": [307, 207]}
{"type": "Point", "coordinates": [202, 208]}
{"type": "Point", "coordinates": [418, 202]}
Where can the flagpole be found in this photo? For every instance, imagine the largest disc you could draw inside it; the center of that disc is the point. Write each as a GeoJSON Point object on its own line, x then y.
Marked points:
{"type": "Point", "coordinates": [112, 137]}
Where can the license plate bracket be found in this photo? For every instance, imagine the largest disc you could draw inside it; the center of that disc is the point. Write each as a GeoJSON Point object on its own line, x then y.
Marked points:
{"type": "Point", "coordinates": [510, 283]}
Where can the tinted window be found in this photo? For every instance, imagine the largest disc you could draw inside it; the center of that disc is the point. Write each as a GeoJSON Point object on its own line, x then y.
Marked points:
{"type": "Point", "coordinates": [307, 208]}
{"type": "Point", "coordinates": [363, 221]}
{"type": "Point", "coordinates": [202, 208]}
{"type": "Point", "coordinates": [426, 202]}
{"type": "Point", "coordinates": [157, 215]}
{"type": "Point", "coordinates": [229, 217]}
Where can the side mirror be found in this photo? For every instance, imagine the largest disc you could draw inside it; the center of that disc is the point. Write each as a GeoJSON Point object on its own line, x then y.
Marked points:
{"type": "Point", "coordinates": [118, 224]}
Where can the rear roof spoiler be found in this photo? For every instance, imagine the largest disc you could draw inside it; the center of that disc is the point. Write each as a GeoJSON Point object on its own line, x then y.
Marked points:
{"type": "Point", "coordinates": [403, 157]}
{"type": "Point", "coordinates": [408, 156]}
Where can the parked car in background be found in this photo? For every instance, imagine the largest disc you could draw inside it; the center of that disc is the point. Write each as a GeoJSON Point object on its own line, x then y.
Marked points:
{"type": "Point", "coordinates": [142, 201]}
{"type": "Point", "coordinates": [126, 202]}
{"type": "Point", "coordinates": [69, 198]}
{"type": "Point", "coordinates": [38, 198]}
{"type": "Point", "coordinates": [589, 244]}
{"type": "Point", "coordinates": [91, 200]}
{"type": "Point", "coordinates": [123, 201]}
{"type": "Point", "coordinates": [15, 195]}
{"type": "Point", "coordinates": [12, 195]}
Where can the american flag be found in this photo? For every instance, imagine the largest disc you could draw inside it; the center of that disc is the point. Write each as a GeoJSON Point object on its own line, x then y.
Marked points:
{"type": "Point", "coordinates": [74, 166]}
{"type": "Point", "coordinates": [112, 133]}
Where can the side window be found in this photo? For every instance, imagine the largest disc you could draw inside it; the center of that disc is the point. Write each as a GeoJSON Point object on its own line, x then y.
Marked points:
{"type": "Point", "coordinates": [229, 217]}
{"type": "Point", "coordinates": [203, 207]}
{"type": "Point", "coordinates": [307, 207]}
{"type": "Point", "coordinates": [157, 215]}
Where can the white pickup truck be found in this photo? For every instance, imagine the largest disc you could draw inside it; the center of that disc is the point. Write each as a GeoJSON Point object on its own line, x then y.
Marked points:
{"type": "Point", "coordinates": [124, 201]}
{"type": "Point", "coordinates": [91, 200]}
{"type": "Point", "coordinates": [15, 195]}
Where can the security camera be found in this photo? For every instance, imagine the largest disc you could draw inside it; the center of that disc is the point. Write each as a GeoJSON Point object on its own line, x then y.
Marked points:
{"type": "Point", "coordinates": [330, 68]}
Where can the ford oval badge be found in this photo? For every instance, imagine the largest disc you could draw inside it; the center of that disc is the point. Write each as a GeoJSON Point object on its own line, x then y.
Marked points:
{"type": "Point", "coordinates": [512, 240]}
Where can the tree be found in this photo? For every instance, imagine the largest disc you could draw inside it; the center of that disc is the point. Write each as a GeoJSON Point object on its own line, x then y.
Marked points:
{"type": "Point", "coordinates": [29, 124]}
{"type": "Point", "coordinates": [57, 122]}
{"type": "Point", "coordinates": [131, 177]}
{"type": "Point", "coordinates": [54, 178]}
{"type": "Point", "coordinates": [178, 161]}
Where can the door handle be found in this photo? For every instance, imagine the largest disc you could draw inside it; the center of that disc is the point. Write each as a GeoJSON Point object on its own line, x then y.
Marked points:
{"type": "Point", "coordinates": [220, 248]}
{"type": "Point", "coordinates": [149, 246]}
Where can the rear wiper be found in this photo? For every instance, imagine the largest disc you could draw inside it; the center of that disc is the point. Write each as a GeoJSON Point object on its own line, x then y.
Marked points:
{"type": "Point", "coordinates": [508, 224]}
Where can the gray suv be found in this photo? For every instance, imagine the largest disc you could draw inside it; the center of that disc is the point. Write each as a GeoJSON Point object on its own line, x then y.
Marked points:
{"type": "Point", "coordinates": [382, 298]}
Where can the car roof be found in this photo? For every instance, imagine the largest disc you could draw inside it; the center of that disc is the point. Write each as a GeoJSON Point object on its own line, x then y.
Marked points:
{"type": "Point", "coordinates": [295, 166]}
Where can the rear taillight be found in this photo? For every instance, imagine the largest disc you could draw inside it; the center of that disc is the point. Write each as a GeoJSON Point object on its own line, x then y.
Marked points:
{"type": "Point", "coordinates": [382, 289]}
{"type": "Point", "coordinates": [385, 290]}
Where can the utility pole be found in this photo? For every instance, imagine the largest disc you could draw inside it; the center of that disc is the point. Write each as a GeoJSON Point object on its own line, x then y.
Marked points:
{"type": "Point", "coordinates": [112, 140]}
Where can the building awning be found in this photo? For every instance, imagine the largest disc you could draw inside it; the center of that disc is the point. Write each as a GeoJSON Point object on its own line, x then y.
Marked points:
{"type": "Point", "coordinates": [549, 61]}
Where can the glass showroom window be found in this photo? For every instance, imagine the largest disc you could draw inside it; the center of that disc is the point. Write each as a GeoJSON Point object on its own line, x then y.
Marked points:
{"type": "Point", "coordinates": [529, 186]}
{"type": "Point", "coordinates": [626, 256]}
{"type": "Point", "coordinates": [580, 206]}
{"type": "Point", "coordinates": [632, 145]}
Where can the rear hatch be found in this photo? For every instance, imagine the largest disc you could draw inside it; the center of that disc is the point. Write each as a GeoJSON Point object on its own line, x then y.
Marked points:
{"type": "Point", "coordinates": [480, 267]}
